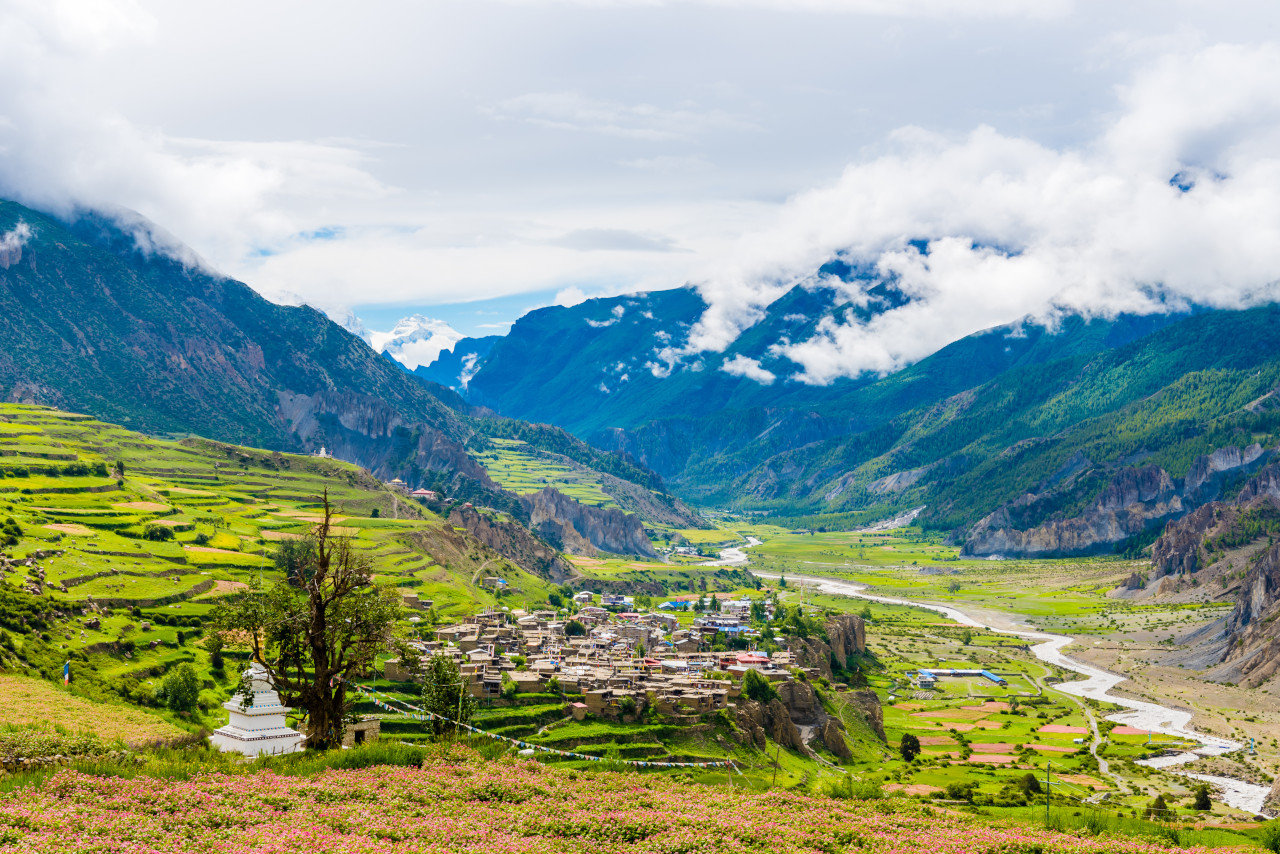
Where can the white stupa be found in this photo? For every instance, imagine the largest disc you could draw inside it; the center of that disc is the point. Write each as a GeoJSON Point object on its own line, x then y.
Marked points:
{"type": "Point", "coordinates": [261, 727]}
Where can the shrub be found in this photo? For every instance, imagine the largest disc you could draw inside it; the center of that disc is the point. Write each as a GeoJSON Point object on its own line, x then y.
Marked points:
{"type": "Point", "coordinates": [849, 789]}
{"type": "Point", "coordinates": [1202, 801]}
{"type": "Point", "coordinates": [756, 687]}
{"type": "Point", "coordinates": [181, 688]}
{"type": "Point", "coordinates": [1269, 836]}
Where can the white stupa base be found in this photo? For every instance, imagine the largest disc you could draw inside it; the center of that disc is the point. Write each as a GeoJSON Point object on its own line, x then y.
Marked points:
{"type": "Point", "coordinates": [271, 742]}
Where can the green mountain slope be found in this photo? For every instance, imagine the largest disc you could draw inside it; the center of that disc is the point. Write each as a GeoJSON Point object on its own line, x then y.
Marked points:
{"type": "Point", "coordinates": [97, 321]}
{"type": "Point", "coordinates": [1056, 436]}
{"type": "Point", "coordinates": [92, 322]}
{"type": "Point", "coordinates": [1052, 419]}
{"type": "Point", "coordinates": [117, 573]}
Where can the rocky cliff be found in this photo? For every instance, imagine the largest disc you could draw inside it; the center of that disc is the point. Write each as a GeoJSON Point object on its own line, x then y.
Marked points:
{"type": "Point", "coordinates": [1134, 499]}
{"type": "Point", "coordinates": [1226, 537]}
{"type": "Point", "coordinates": [846, 637]}
{"type": "Point", "coordinates": [1181, 548]}
{"type": "Point", "coordinates": [868, 705]}
{"type": "Point", "coordinates": [369, 431]}
{"type": "Point", "coordinates": [513, 541]}
{"type": "Point", "coordinates": [1252, 637]}
{"type": "Point", "coordinates": [579, 529]}
{"type": "Point", "coordinates": [757, 720]}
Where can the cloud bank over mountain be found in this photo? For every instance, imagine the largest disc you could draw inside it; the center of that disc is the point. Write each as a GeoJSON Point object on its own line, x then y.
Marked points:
{"type": "Point", "coordinates": [1125, 165]}
{"type": "Point", "coordinates": [1175, 202]}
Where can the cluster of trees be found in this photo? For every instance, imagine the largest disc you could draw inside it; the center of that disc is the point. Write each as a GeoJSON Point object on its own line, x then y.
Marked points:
{"type": "Point", "coordinates": [76, 469]}
{"type": "Point", "coordinates": [10, 533]}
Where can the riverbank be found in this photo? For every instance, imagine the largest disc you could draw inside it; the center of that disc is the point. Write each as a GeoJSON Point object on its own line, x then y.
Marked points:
{"type": "Point", "coordinates": [1097, 684]}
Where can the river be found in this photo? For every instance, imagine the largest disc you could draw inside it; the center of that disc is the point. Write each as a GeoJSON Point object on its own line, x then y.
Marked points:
{"type": "Point", "coordinates": [1096, 685]}
{"type": "Point", "coordinates": [736, 556]}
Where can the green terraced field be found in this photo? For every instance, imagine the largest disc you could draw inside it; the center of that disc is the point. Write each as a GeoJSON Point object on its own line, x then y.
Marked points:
{"type": "Point", "coordinates": [222, 510]}
{"type": "Point", "coordinates": [520, 468]}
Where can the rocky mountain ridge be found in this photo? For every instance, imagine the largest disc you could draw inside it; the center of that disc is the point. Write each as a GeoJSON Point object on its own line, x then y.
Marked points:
{"type": "Point", "coordinates": [98, 321]}
{"type": "Point", "coordinates": [578, 529]}
{"type": "Point", "coordinates": [1243, 647]}
{"type": "Point", "coordinates": [1135, 499]}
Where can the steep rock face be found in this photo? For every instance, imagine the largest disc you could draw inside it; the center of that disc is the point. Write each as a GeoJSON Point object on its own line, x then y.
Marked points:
{"type": "Point", "coordinates": [1134, 499]}
{"type": "Point", "coordinates": [365, 429]}
{"type": "Point", "coordinates": [772, 719]}
{"type": "Point", "coordinates": [1179, 549]}
{"type": "Point", "coordinates": [868, 704]}
{"type": "Point", "coordinates": [512, 541]}
{"type": "Point", "coordinates": [580, 529]}
{"type": "Point", "coordinates": [1253, 639]}
{"type": "Point", "coordinates": [832, 736]}
{"type": "Point", "coordinates": [801, 702]}
{"type": "Point", "coordinates": [846, 636]}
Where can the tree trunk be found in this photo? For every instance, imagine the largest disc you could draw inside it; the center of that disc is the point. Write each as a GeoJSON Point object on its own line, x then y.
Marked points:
{"type": "Point", "coordinates": [325, 727]}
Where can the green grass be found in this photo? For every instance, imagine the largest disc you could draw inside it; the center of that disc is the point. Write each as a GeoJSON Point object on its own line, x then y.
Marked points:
{"type": "Point", "coordinates": [223, 498]}
{"type": "Point", "coordinates": [523, 469]}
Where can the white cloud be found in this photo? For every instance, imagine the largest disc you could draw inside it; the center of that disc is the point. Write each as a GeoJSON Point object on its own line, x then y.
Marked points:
{"type": "Point", "coordinates": [612, 131]}
{"type": "Point", "coordinates": [745, 366]}
{"type": "Point", "coordinates": [15, 238]}
{"type": "Point", "coordinates": [570, 297]}
{"type": "Point", "coordinates": [1016, 228]}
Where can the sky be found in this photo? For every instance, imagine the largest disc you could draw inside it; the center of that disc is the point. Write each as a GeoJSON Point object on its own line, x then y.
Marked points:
{"type": "Point", "coordinates": [469, 160]}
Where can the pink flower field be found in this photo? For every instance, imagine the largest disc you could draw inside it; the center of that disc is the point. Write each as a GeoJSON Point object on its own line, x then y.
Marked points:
{"type": "Point", "coordinates": [458, 805]}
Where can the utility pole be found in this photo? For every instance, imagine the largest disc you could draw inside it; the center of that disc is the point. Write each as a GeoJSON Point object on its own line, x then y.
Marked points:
{"type": "Point", "coordinates": [776, 761]}
{"type": "Point", "coordinates": [1047, 792]}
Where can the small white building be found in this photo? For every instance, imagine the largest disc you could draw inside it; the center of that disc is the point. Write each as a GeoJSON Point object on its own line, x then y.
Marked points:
{"type": "Point", "coordinates": [260, 728]}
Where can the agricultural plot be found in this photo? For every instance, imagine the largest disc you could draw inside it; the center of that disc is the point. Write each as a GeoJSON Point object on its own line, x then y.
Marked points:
{"type": "Point", "coordinates": [141, 547]}
{"type": "Point", "coordinates": [520, 468]}
{"type": "Point", "coordinates": [35, 703]}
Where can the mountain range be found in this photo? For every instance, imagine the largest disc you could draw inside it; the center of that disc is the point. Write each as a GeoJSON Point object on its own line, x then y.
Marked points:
{"type": "Point", "coordinates": [98, 320]}
{"type": "Point", "coordinates": [1021, 440]}
{"type": "Point", "coordinates": [1085, 436]}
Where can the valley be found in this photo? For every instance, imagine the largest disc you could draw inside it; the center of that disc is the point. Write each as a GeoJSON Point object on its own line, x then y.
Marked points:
{"type": "Point", "coordinates": [859, 594]}
{"type": "Point", "coordinates": [91, 556]}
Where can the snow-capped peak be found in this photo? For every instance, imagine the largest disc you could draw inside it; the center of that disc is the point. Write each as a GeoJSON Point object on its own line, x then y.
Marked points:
{"type": "Point", "coordinates": [415, 340]}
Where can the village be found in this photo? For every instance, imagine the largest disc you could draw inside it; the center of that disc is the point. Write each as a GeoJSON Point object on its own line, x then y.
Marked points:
{"type": "Point", "coordinates": [621, 659]}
